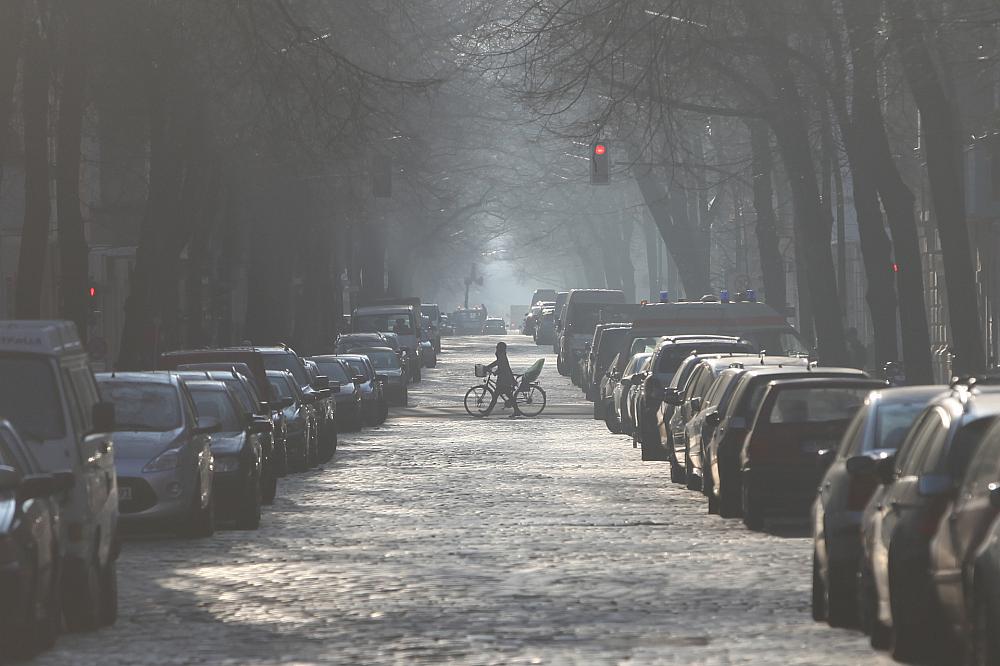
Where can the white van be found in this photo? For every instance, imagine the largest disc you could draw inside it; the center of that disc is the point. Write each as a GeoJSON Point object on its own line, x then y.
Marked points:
{"type": "Point", "coordinates": [49, 394]}
{"type": "Point", "coordinates": [584, 309]}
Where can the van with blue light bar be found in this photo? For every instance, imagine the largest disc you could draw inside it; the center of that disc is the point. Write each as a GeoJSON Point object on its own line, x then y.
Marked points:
{"type": "Point", "coordinates": [50, 396]}
{"type": "Point", "coordinates": [736, 314]}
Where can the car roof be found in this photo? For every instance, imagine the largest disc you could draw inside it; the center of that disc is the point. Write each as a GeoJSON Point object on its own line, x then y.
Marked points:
{"type": "Point", "coordinates": [372, 349]}
{"type": "Point", "coordinates": [905, 394]}
{"type": "Point", "coordinates": [325, 358]}
{"type": "Point", "coordinates": [808, 382]}
{"type": "Point", "coordinates": [147, 377]}
{"type": "Point", "coordinates": [759, 371]}
{"type": "Point", "coordinates": [39, 336]}
{"type": "Point", "coordinates": [207, 383]}
{"type": "Point", "coordinates": [352, 357]}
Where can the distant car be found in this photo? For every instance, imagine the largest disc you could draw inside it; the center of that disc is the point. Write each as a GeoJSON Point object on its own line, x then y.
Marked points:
{"type": "Point", "coordinates": [898, 604]}
{"type": "Point", "coordinates": [629, 380]}
{"type": "Point", "coordinates": [163, 453]}
{"type": "Point", "coordinates": [238, 458]}
{"type": "Point", "coordinates": [545, 328]}
{"type": "Point", "coordinates": [350, 416]}
{"type": "Point", "coordinates": [494, 326]}
{"type": "Point", "coordinates": [325, 406]}
{"type": "Point", "coordinates": [446, 327]}
{"type": "Point", "coordinates": [797, 419]}
{"type": "Point", "coordinates": [347, 341]}
{"type": "Point", "coordinates": [374, 403]}
{"type": "Point", "coordinates": [30, 598]}
{"type": "Point", "coordinates": [301, 423]}
{"type": "Point", "coordinates": [875, 433]}
{"type": "Point", "coordinates": [389, 370]}
{"type": "Point", "coordinates": [433, 313]}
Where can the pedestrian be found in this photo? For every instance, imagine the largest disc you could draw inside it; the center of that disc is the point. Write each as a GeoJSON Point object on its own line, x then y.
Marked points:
{"type": "Point", "coordinates": [856, 349]}
{"type": "Point", "coordinates": [505, 380]}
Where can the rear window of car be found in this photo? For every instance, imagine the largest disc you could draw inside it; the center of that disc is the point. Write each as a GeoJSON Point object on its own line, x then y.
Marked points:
{"type": "Point", "coordinates": [217, 403]}
{"type": "Point", "coordinates": [334, 371]}
{"type": "Point", "coordinates": [281, 387]}
{"type": "Point", "coordinates": [287, 361]}
{"type": "Point", "coordinates": [143, 407]}
{"type": "Point", "coordinates": [816, 404]}
{"type": "Point", "coordinates": [29, 397]}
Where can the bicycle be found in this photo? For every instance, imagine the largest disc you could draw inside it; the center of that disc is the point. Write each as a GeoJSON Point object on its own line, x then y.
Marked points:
{"type": "Point", "coordinates": [529, 397]}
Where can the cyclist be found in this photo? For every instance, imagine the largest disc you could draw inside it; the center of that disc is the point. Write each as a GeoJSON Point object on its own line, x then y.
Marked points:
{"type": "Point", "coordinates": [505, 379]}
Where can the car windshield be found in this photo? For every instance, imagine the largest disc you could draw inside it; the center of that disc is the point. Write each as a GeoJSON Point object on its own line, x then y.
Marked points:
{"type": "Point", "coordinates": [287, 361]}
{"type": "Point", "coordinates": [672, 357]}
{"type": "Point", "coordinates": [817, 404]}
{"type": "Point", "coordinates": [892, 423]}
{"type": "Point", "coordinates": [216, 403]}
{"type": "Point", "coordinates": [384, 360]}
{"type": "Point", "coordinates": [29, 398]}
{"type": "Point", "coordinates": [143, 406]}
{"type": "Point", "coordinates": [334, 371]}
{"type": "Point", "coordinates": [384, 323]}
{"type": "Point", "coordinates": [241, 393]}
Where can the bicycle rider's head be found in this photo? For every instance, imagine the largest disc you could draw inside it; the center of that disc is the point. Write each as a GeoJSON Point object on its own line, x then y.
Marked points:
{"type": "Point", "coordinates": [501, 348]}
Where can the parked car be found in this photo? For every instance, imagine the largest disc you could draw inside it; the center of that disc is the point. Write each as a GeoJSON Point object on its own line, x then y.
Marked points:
{"type": "Point", "coordinates": [797, 419]}
{"type": "Point", "coordinates": [725, 446]}
{"type": "Point", "coordinates": [875, 433]}
{"type": "Point", "coordinates": [350, 414]}
{"type": "Point", "coordinates": [238, 457]}
{"type": "Point", "coordinates": [983, 596]}
{"type": "Point", "coordinates": [50, 396]}
{"type": "Point", "coordinates": [447, 328]}
{"type": "Point", "coordinates": [300, 420]}
{"type": "Point", "coordinates": [494, 326]}
{"type": "Point", "coordinates": [542, 295]}
{"type": "Point", "coordinates": [629, 380]}
{"type": "Point", "coordinates": [583, 311]}
{"type": "Point", "coordinates": [433, 314]}
{"type": "Point", "coordinates": [250, 402]}
{"type": "Point", "coordinates": [317, 398]}
{"type": "Point", "coordinates": [163, 455]}
{"type": "Point", "coordinates": [427, 350]}
{"type": "Point", "coordinates": [559, 311]}
{"type": "Point", "coordinates": [374, 402]}
{"type": "Point", "coordinates": [325, 406]}
{"type": "Point", "coordinates": [961, 591]}
{"type": "Point", "coordinates": [30, 548]}
{"type": "Point", "coordinates": [347, 341]}
{"type": "Point", "coordinates": [603, 348]}
{"type": "Point", "coordinates": [545, 330]}
{"type": "Point", "coordinates": [402, 319]}
{"type": "Point", "coordinates": [899, 606]}
{"type": "Point", "coordinates": [388, 369]}
{"type": "Point", "coordinates": [530, 323]}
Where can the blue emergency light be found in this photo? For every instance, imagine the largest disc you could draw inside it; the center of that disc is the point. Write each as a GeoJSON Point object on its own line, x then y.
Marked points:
{"type": "Point", "coordinates": [751, 295]}
{"type": "Point", "coordinates": [664, 296]}
{"type": "Point", "coordinates": [724, 295]}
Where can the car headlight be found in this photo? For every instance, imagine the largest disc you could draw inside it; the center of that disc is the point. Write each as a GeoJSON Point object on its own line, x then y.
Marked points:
{"type": "Point", "coordinates": [169, 459]}
{"type": "Point", "coordinates": [226, 464]}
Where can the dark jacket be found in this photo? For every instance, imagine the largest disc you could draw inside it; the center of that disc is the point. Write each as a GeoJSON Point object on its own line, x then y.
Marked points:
{"type": "Point", "coordinates": [505, 376]}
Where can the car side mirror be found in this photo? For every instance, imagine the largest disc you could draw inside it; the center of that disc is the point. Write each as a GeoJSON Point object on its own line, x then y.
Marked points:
{"type": "Point", "coordinates": [861, 465]}
{"type": "Point", "coordinates": [712, 419]}
{"type": "Point", "coordinates": [10, 478]}
{"type": "Point", "coordinates": [321, 382]}
{"type": "Point", "coordinates": [103, 417]}
{"type": "Point", "coordinates": [41, 485]}
{"type": "Point", "coordinates": [696, 403]}
{"type": "Point", "coordinates": [995, 495]}
{"type": "Point", "coordinates": [885, 470]}
{"type": "Point", "coordinates": [672, 396]}
{"type": "Point", "coordinates": [207, 425]}
{"type": "Point", "coordinates": [934, 485]}
{"type": "Point", "coordinates": [637, 380]}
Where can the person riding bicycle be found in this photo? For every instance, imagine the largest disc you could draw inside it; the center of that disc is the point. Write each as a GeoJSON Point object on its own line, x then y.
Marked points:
{"type": "Point", "coordinates": [505, 379]}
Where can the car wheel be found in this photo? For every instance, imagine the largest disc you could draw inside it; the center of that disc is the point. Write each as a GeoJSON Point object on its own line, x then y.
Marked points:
{"type": "Point", "coordinates": [841, 609]}
{"type": "Point", "coordinates": [818, 591]}
{"type": "Point", "coordinates": [109, 594]}
{"type": "Point", "coordinates": [691, 481]}
{"type": "Point", "coordinates": [907, 640]}
{"type": "Point", "coordinates": [652, 450]}
{"type": "Point", "coordinates": [677, 474]}
{"type": "Point", "coordinates": [729, 506]}
{"type": "Point", "coordinates": [82, 599]}
{"type": "Point", "coordinates": [201, 523]}
{"type": "Point", "coordinates": [753, 514]}
{"type": "Point", "coordinates": [560, 366]}
{"type": "Point", "coordinates": [611, 421]}
{"type": "Point", "coordinates": [249, 513]}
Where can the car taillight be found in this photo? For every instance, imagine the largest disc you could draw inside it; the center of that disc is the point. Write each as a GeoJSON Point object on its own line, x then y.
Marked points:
{"type": "Point", "coordinates": [930, 516]}
{"type": "Point", "coordinates": [860, 491]}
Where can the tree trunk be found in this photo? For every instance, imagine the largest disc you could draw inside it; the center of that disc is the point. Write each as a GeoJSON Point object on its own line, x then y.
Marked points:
{"type": "Point", "coordinates": [35, 232]}
{"type": "Point", "coordinates": [11, 27]}
{"type": "Point", "coordinates": [813, 220]}
{"type": "Point", "coordinates": [652, 244]}
{"type": "Point", "coordinates": [73, 251]}
{"type": "Point", "coordinates": [861, 18]}
{"type": "Point", "coordinates": [942, 140]}
{"type": "Point", "coordinates": [373, 265]}
{"type": "Point", "coordinates": [766, 228]}
{"type": "Point", "coordinates": [688, 246]}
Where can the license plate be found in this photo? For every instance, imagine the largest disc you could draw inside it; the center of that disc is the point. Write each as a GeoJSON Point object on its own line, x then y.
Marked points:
{"type": "Point", "coordinates": [124, 494]}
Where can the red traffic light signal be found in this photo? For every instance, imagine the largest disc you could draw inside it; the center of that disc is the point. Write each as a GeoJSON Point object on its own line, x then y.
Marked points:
{"type": "Point", "coordinates": [600, 164]}
{"type": "Point", "coordinates": [93, 292]}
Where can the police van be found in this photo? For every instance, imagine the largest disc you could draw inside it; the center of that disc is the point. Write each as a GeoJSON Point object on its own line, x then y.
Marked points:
{"type": "Point", "coordinates": [49, 394]}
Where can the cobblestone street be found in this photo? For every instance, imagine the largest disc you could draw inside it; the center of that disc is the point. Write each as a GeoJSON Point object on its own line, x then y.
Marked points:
{"type": "Point", "coordinates": [438, 538]}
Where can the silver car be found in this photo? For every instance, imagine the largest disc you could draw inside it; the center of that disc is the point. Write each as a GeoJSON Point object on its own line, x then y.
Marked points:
{"type": "Point", "coordinates": [163, 453]}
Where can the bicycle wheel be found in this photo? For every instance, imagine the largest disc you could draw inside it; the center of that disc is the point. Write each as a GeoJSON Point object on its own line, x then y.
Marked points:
{"type": "Point", "coordinates": [478, 400]}
{"type": "Point", "coordinates": [530, 401]}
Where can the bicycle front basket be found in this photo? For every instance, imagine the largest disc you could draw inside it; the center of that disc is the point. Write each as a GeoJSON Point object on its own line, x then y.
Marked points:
{"type": "Point", "coordinates": [480, 370]}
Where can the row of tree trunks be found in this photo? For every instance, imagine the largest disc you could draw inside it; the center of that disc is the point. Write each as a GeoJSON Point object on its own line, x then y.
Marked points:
{"type": "Point", "coordinates": [942, 139]}
{"type": "Point", "coordinates": [861, 18]}
{"type": "Point", "coordinates": [772, 264]}
{"type": "Point", "coordinates": [11, 27]}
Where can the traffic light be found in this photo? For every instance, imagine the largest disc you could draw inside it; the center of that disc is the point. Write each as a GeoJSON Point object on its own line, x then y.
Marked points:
{"type": "Point", "coordinates": [600, 163]}
{"type": "Point", "coordinates": [382, 177]}
{"type": "Point", "coordinates": [93, 291]}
